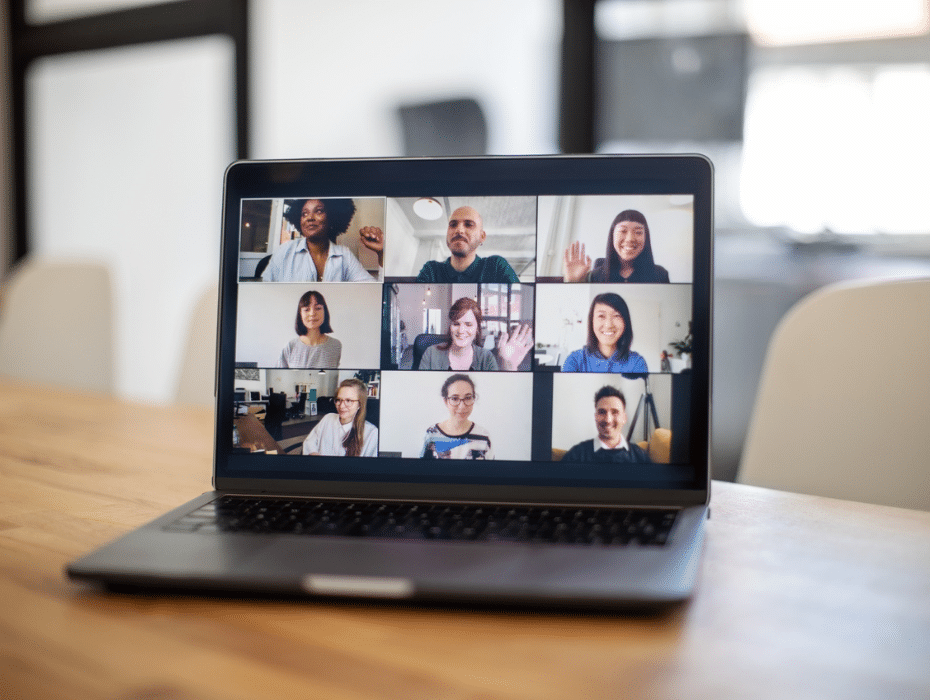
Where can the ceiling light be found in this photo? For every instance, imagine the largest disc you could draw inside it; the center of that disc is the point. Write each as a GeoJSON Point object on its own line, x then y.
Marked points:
{"type": "Point", "coordinates": [427, 208]}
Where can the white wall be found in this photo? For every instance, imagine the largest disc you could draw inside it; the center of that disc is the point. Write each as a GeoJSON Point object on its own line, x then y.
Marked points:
{"type": "Point", "coordinates": [412, 401]}
{"type": "Point", "coordinates": [126, 154]}
{"type": "Point", "coordinates": [330, 76]}
{"type": "Point", "coordinates": [659, 314]}
{"type": "Point", "coordinates": [129, 145]}
{"type": "Point", "coordinates": [403, 246]}
{"type": "Point", "coordinates": [410, 299]}
{"type": "Point", "coordinates": [285, 379]}
{"type": "Point", "coordinates": [52, 10]}
{"type": "Point", "coordinates": [267, 311]}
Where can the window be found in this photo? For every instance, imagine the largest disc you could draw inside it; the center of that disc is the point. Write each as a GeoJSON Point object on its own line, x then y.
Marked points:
{"type": "Point", "coordinates": [838, 148]}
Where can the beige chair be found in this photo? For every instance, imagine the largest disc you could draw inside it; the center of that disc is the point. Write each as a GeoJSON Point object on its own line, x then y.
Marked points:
{"type": "Point", "coordinates": [659, 446]}
{"type": "Point", "coordinates": [198, 365]}
{"type": "Point", "coordinates": [843, 408]}
{"type": "Point", "coordinates": [56, 325]}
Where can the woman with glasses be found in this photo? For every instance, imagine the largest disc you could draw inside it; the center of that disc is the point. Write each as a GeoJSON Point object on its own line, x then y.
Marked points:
{"type": "Point", "coordinates": [457, 437]}
{"type": "Point", "coordinates": [345, 433]}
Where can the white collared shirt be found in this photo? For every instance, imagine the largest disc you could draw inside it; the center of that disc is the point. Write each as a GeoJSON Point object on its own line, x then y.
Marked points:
{"type": "Point", "coordinates": [292, 262]}
{"type": "Point", "coordinates": [622, 445]}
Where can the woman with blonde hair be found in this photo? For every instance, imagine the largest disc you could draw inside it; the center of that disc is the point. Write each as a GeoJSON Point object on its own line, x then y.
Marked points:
{"type": "Point", "coordinates": [345, 433]}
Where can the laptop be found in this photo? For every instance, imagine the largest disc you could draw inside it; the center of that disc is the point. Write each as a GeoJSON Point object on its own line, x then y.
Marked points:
{"type": "Point", "coordinates": [429, 387]}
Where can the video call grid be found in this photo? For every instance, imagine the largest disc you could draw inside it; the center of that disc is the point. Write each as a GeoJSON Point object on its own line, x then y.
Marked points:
{"type": "Point", "coordinates": [390, 362]}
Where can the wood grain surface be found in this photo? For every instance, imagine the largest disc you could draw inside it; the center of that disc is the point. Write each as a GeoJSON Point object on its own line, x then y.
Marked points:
{"type": "Point", "coordinates": [799, 597]}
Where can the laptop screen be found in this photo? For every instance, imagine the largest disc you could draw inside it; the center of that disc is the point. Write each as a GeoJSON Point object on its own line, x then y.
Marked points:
{"type": "Point", "coordinates": [537, 322]}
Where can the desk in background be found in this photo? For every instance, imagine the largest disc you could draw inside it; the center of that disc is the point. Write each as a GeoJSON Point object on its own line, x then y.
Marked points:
{"type": "Point", "coordinates": [799, 597]}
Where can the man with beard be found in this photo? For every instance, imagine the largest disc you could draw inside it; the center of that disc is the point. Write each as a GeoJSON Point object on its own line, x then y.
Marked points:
{"type": "Point", "coordinates": [463, 236]}
{"type": "Point", "coordinates": [610, 445]}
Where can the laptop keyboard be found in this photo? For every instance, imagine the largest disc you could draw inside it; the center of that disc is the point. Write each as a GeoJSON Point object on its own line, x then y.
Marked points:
{"type": "Point", "coordinates": [424, 521]}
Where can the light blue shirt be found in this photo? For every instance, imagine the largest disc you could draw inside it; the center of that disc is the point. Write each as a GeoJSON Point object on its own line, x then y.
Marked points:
{"type": "Point", "coordinates": [292, 262]}
{"type": "Point", "coordinates": [584, 360]}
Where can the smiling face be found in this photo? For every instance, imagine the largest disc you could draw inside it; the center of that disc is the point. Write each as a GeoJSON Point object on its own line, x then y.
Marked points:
{"type": "Point", "coordinates": [465, 232]}
{"type": "Point", "coordinates": [464, 330]}
{"type": "Point", "coordinates": [629, 240]}
{"type": "Point", "coordinates": [608, 326]}
{"type": "Point", "coordinates": [461, 393]}
{"type": "Point", "coordinates": [313, 220]}
{"type": "Point", "coordinates": [610, 417]}
{"type": "Point", "coordinates": [347, 404]}
{"type": "Point", "coordinates": [313, 314]}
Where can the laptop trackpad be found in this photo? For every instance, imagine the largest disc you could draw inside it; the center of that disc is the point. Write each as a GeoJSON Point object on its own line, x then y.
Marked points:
{"type": "Point", "coordinates": [384, 568]}
{"type": "Point", "coordinates": [400, 569]}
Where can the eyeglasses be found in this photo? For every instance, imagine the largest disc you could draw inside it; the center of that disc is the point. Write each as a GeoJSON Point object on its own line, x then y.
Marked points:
{"type": "Point", "coordinates": [456, 400]}
{"type": "Point", "coordinates": [347, 402]}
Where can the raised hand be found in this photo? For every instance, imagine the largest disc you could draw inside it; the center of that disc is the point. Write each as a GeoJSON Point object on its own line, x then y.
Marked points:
{"type": "Point", "coordinates": [575, 264]}
{"type": "Point", "coordinates": [373, 239]}
{"type": "Point", "coordinates": [512, 349]}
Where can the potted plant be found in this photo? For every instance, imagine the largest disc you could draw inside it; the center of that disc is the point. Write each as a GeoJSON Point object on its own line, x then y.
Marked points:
{"type": "Point", "coordinates": [682, 348]}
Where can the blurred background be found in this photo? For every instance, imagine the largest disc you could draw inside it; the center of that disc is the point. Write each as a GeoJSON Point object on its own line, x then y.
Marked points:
{"type": "Point", "coordinates": [120, 116]}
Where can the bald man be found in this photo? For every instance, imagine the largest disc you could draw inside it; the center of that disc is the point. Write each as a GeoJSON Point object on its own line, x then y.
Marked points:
{"type": "Point", "coordinates": [463, 236]}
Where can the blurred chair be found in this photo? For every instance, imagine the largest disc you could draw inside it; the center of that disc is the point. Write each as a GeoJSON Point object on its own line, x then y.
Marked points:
{"type": "Point", "coordinates": [423, 341]}
{"type": "Point", "coordinates": [298, 408]}
{"type": "Point", "coordinates": [56, 325]}
{"type": "Point", "coordinates": [842, 409]}
{"type": "Point", "coordinates": [444, 128]}
{"type": "Point", "coordinates": [659, 446]}
{"type": "Point", "coordinates": [198, 366]}
{"type": "Point", "coordinates": [325, 404]}
{"type": "Point", "coordinates": [276, 414]}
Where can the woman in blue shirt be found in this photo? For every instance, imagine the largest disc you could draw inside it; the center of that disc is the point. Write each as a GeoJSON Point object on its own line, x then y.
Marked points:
{"type": "Point", "coordinates": [610, 334]}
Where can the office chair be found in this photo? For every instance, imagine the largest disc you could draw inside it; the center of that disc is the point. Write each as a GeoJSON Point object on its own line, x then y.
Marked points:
{"type": "Point", "coordinates": [842, 409]}
{"type": "Point", "coordinates": [444, 128]}
{"type": "Point", "coordinates": [56, 325]}
{"type": "Point", "coordinates": [325, 404]}
{"type": "Point", "coordinates": [421, 342]}
{"type": "Point", "coordinates": [298, 408]}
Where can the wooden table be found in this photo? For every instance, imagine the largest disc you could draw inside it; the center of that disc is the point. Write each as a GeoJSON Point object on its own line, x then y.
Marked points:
{"type": "Point", "coordinates": [799, 597]}
{"type": "Point", "coordinates": [252, 434]}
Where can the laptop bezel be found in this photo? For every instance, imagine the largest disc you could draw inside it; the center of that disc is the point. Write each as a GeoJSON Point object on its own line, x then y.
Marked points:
{"type": "Point", "coordinates": [590, 174]}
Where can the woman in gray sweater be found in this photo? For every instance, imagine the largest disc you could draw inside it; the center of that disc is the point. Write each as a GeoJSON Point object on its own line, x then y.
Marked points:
{"type": "Point", "coordinates": [312, 347]}
{"type": "Point", "coordinates": [463, 350]}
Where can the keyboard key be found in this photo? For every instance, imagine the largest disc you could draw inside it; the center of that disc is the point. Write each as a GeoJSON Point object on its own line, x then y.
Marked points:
{"type": "Point", "coordinates": [576, 526]}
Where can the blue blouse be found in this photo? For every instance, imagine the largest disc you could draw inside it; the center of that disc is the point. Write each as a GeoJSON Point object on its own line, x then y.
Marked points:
{"type": "Point", "coordinates": [584, 360]}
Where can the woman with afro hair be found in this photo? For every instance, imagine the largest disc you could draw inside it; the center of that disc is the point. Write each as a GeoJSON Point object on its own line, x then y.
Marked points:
{"type": "Point", "coordinates": [315, 256]}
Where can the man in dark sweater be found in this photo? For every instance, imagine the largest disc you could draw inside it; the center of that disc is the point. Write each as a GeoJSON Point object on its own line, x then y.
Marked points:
{"type": "Point", "coordinates": [610, 446]}
{"type": "Point", "coordinates": [463, 236]}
